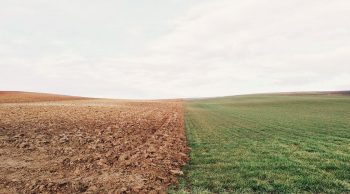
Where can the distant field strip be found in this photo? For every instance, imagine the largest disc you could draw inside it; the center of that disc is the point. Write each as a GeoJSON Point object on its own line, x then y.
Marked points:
{"type": "Point", "coordinates": [269, 143]}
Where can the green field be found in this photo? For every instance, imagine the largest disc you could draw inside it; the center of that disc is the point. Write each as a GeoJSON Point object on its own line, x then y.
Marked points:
{"type": "Point", "coordinates": [268, 143]}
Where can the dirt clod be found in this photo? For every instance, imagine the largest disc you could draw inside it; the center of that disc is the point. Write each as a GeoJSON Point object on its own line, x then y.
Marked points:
{"type": "Point", "coordinates": [176, 172]}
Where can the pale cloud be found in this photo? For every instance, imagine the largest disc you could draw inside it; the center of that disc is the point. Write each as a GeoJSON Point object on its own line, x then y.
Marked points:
{"type": "Point", "coordinates": [198, 48]}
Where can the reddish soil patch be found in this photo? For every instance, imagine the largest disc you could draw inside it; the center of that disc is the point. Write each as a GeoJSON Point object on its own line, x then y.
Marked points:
{"type": "Point", "coordinates": [91, 146]}
{"type": "Point", "coordinates": [14, 97]}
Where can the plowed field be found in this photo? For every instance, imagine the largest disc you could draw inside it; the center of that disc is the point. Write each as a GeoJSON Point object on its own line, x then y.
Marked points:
{"type": "Point", "coordinates": [14, 97]}
{"type": "Point", "coordinates": [92, 146]}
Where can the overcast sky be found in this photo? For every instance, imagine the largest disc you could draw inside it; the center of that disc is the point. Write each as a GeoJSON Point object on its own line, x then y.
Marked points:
{"type": "Point", "coordinates": [174, 48]}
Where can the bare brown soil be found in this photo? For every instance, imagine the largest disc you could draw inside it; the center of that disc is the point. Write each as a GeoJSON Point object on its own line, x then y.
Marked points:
{"type": "Point", "coordinates": [91, 146]}
{"type": "Point", "coordinates": [13, 96]}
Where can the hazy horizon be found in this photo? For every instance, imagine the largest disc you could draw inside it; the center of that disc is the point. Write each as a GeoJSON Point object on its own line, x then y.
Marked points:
{"type": "Point", "coordinates": [174, 49]}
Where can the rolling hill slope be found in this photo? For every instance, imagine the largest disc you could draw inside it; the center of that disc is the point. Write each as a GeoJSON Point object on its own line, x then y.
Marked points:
{"type": "Point", "coordinates": [17, 96]}
{"type": "Point", "coordinates": [271, 143]}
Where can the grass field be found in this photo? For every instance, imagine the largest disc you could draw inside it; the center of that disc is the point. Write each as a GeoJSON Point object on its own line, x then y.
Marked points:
{"type": "Point", "coordinates": [268, 143]}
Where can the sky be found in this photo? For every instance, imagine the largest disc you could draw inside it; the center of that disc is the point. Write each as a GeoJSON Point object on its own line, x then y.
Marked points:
{"type": "Point", "coordinates": [151, 49]}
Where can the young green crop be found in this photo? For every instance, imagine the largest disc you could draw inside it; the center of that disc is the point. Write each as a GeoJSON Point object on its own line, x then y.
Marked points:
{"type": "Point", "coordinates": [268, 144]}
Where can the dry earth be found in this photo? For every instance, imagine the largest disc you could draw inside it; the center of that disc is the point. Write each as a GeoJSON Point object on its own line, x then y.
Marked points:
{"type": "Point", "coordinates": [11, 97]}
{"type": "Point", "coordinates": [91, 146]}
